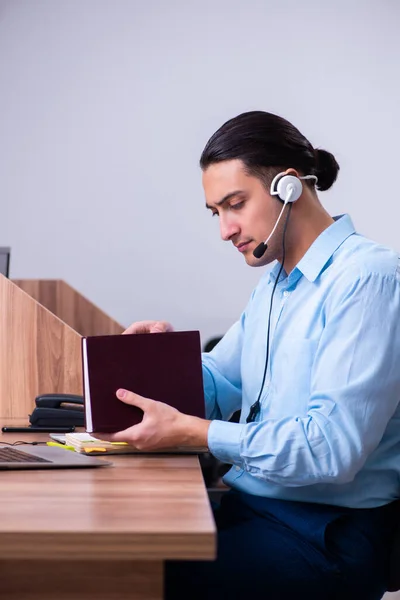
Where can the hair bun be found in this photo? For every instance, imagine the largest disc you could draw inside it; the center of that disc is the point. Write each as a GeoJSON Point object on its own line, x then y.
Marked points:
{"type": "Point", "coordinates": [327, 169]}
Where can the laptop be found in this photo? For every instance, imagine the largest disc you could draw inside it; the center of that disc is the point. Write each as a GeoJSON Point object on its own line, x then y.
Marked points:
{"type": "Point", "coordinates": [45, 457]}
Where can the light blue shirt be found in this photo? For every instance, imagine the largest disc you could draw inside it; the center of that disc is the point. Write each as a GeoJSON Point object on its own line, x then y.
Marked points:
{"type": "Point", "coordinates": [329, 426]}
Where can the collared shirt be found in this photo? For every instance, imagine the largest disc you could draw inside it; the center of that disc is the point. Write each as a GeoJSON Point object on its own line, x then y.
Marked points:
{"type": "Point", "coordinates": [329, 426]}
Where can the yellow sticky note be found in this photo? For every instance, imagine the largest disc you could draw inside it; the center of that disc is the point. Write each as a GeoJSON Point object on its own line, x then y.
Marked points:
{"type": "Point", "coordinates": [63, 446]}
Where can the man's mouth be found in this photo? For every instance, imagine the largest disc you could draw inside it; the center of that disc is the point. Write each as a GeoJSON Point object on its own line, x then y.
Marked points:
{"type": "Point", "coordinates": [243, 246]}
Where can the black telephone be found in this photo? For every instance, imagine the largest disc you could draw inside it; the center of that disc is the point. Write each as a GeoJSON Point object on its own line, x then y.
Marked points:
{"type": "Point", "coordinates": [54, 410]}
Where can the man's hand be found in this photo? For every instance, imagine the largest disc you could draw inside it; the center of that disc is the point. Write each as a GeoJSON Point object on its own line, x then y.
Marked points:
{"type": "Point", "coordinates": [149, 327]}
{"type": "Point", "coordinates": [162, 426]}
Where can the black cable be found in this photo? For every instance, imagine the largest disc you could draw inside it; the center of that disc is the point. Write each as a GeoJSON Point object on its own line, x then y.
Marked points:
{"type": "Point", "coordinates": [21, 442]}
{"type": "Point", "coordinates": [256, 407]}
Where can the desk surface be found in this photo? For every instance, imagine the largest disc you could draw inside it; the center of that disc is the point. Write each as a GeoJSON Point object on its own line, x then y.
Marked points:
{"type": "Point", "coordinates": [144, 507]}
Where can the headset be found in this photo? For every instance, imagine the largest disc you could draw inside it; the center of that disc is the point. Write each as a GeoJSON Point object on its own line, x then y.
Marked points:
{"type": "Point", "coordinates": [287, 189]}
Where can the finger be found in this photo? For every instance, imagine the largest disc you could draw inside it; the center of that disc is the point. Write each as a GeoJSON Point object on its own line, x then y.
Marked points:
{"type": "Point", "coordinates": [161, 327]}
{"type": "Point", "coordinates": [139, 327]}
{"type": "Point", "coordinates": [134, 399]}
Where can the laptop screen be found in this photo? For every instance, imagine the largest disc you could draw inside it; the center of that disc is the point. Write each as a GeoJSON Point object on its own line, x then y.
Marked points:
{"type": "Point", "coordinates": [5, 261]}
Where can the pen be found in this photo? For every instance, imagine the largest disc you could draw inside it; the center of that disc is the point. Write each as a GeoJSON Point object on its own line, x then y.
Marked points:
{"type": "Point", "coordinates": [32, 429]}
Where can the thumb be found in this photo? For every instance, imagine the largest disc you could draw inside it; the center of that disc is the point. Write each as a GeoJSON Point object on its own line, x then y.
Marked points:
{"type": "Point", "coordinates": [134, 399]}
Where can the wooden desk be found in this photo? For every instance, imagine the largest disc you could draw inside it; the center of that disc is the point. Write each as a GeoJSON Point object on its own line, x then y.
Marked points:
{"type": "Point", "coordinates": [97, 534]}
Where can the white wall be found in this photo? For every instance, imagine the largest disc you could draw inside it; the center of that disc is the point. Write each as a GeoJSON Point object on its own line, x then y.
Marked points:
{"type": "Point", "coordinates": [105, 107]}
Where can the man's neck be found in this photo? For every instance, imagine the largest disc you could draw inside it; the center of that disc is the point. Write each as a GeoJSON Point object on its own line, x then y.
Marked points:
{"type": "Point", "coordinates": [303, 233]}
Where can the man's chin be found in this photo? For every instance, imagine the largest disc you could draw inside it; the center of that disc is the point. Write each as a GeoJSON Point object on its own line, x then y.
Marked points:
{"type": "Point", "coordinates": [252, 261]}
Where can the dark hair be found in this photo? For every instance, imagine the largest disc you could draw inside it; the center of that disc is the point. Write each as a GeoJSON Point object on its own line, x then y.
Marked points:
{"type": "Point", "coordinates": [266, 143]}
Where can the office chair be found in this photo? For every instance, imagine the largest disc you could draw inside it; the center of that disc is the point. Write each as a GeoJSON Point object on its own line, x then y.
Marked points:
{"type": "Point", "coordinates": [211, 343]}
{"type": "Point", "coordinates": [394, 560]}
{"type": "Point", "coordinates": [211, 466]}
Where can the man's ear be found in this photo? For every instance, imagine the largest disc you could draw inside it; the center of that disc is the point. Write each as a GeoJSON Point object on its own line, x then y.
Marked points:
{"type": "Point", "coordinates": [292, 171]}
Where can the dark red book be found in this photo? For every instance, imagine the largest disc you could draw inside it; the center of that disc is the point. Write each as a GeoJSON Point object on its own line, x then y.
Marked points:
{"type": "Point", "coordinates": [161, 366]}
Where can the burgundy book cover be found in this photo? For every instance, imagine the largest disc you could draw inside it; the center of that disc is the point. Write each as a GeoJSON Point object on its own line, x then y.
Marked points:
{"type": "Point", "coordinates": [161, 366]}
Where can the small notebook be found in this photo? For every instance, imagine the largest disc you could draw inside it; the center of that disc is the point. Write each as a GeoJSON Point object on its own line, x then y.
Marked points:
{"type": "Point", "coordinates": [161, 366]}
{"type": "Point", "coordinates": [84, 443]}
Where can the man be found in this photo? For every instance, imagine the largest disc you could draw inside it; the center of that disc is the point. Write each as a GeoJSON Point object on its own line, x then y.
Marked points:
{"type": "Point", "coordinates": [314, 365]}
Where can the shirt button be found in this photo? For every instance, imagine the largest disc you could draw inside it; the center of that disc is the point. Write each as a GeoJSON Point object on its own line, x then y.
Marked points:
{"type": "Point", "coordinates": [286, 293]}
{"type": "Point", "coordinates": [237, 468]}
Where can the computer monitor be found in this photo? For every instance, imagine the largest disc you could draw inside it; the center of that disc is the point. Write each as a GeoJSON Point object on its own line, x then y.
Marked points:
{"type": "Point", "coordinates": [5, 261]}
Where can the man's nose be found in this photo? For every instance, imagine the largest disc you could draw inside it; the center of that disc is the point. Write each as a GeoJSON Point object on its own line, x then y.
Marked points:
{"type": "Point", "coordinates": [228, 229]}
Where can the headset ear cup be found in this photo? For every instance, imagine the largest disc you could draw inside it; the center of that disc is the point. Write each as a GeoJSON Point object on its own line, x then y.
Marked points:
{"type": "Point", "coordinates": [274, 185]}
{"type": "Point", "coordinates": [287, 184]}
{"type": "Point", "coordinates": [287, 188]}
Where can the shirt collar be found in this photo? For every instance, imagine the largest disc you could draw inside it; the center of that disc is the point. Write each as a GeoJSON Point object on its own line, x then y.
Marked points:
{"type": "Point", "coordinates": [321, 250]}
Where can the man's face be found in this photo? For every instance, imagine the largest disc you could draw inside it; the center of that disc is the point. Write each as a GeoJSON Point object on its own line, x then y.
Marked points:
{"type": "Point", "coordinates": [247, 212]}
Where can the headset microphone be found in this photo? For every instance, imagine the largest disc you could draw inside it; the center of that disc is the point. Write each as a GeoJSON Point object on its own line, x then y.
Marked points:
{"type": "Point", "coordinates": [259, 251]}
{"type": "Point", "coordinates": [288, 189]}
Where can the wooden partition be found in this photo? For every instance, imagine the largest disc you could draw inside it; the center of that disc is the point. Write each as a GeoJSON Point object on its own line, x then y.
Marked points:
{"type": "Point", "coordinates": [39, 353]}
{"type": "Point", "coordinates": [70, 306]}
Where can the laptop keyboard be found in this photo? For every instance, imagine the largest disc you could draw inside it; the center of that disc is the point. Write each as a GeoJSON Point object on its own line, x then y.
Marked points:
{"type": "Point", "coordinates": [13, 455]}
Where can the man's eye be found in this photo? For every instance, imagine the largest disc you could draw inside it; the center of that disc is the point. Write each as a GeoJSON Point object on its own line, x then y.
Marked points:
{"type": "Point", "coordinates": [214, 214]}
{"type": "Point", "coordinates": [237, 206]}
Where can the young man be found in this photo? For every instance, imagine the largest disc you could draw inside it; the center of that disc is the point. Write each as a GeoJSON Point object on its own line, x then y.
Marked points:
{"type": "Point", "coordinates": [314, 365]}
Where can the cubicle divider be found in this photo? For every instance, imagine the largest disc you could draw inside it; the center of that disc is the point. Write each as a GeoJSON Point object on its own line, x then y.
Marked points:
{"type": "Point", "coordinates": [70, 306]}
{"type": "Point", "coordinates": [41, 325]}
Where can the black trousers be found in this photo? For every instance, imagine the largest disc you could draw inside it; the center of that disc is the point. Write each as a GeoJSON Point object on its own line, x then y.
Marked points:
{"type": "Point", "coordinates": [280, 550]}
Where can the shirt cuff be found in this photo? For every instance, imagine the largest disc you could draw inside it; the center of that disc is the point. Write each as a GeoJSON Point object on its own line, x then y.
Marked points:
{"type": "Point", "coordinates": [224, 440]}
